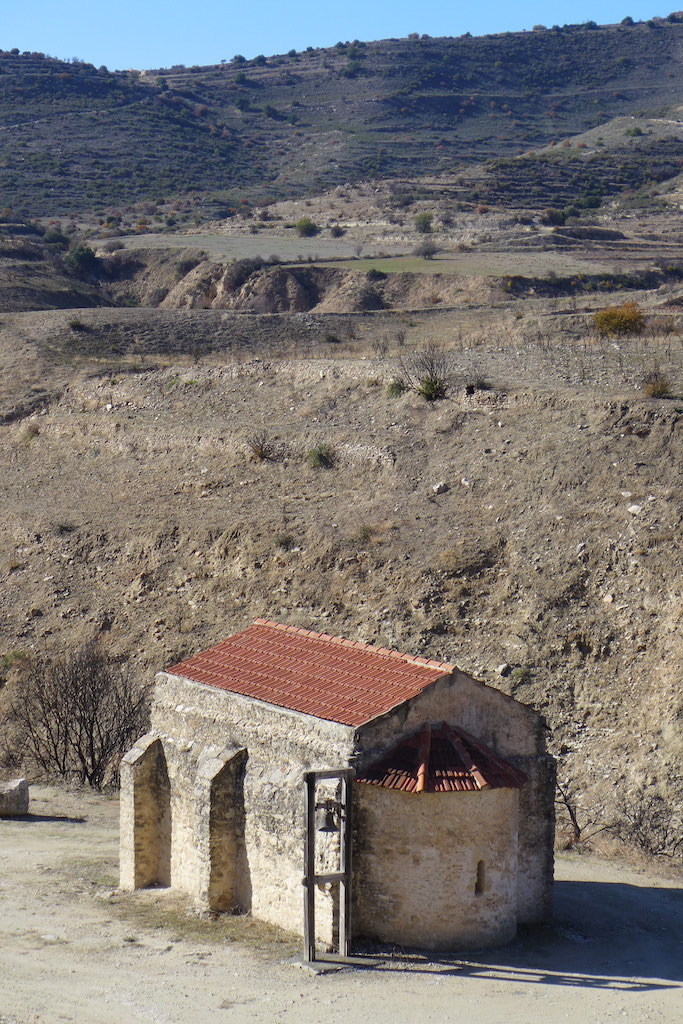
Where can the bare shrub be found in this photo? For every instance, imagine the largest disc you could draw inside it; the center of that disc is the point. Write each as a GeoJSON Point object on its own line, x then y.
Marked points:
{"type": "Point", "coordinates": [262, 446]}
{"type": "Point", "coordinates": [649, 822]}
{"type": "Point", "coordinates": [428, 372]}
{"type": "Point", "coordinates": [73, 717]}
{"type": "Point", "coordinates": [380, 347]}
{"type": "Point", "coordinates": [427, 249]}
{"type": "Point", "coordinates": [576, 827]}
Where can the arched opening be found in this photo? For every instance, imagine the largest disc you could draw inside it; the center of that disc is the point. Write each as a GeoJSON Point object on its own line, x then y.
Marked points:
{"type": "Point", "coordinates": [480, 884]}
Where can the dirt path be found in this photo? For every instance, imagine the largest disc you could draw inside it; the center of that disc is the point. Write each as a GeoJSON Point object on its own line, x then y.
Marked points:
{"type": "Point", "coordinates": [73, 950]}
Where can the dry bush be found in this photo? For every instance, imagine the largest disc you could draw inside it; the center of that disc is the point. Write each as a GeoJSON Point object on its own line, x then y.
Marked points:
{"type": "Point", "coordinates": [619, 321]}
{"type": "Point", "coordinates": [262, 446]}
{"type": "Point", "coordinates": [73, 717]}
{"type": "Point", "coordinates": [428, 372]}
{"type": "Point", "coordinates": [656, 385]}
{"type": "Point", "coordinates": [649, 822]}
{"type": "Point", "coordinates": [427, 249]}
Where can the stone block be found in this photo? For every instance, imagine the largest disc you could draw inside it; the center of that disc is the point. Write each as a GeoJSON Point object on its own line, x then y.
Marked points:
{"type": "Point", "coordinates": [13, 798]}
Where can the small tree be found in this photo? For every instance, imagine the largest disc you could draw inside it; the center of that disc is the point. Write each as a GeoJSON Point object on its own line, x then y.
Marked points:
{"type": "Point", "coordinates": [578, 826]}
{"type": "Point", "coordinates": [423, 223]}
{"type": "Point", "coordinates": [617, 321]}
{"type": "Point", "coordinates": [306, 228]}
{"type": "Point", "coordinates": [73, 717]}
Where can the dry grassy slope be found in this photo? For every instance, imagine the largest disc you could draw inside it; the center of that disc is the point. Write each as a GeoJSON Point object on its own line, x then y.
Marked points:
{"type": "Point", "coordinates": [133, 511]}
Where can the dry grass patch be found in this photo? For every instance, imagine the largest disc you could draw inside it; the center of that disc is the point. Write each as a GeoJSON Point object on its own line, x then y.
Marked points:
{"type": "Point", "coordinates": [160, 910]}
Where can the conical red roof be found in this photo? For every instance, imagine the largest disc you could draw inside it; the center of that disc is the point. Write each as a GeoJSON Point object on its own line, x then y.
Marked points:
{"type": "Point", "coordinates": [442, 759]}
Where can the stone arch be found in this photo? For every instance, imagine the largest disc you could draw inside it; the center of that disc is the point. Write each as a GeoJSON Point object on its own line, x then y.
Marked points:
{"type": "Point", "coordinates": [146, 821]}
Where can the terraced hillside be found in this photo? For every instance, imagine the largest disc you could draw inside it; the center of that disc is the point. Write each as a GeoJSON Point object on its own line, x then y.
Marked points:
{"type": "Point", "coordinates": [75, 138]}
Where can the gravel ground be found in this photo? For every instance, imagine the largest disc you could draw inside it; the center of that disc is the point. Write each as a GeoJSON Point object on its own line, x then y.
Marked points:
{"type": "Point", "coordinates": [72, 949]}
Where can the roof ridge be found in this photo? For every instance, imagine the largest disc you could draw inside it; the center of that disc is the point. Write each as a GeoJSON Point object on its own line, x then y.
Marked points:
{"type": "Point", "coordinates": [359, 645]}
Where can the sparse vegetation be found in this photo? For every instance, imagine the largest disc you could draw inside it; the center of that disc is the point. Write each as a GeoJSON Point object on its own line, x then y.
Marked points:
{"type": "Point", "coordinates": [262, 446]}
{"type": "Point", "coordinates": [428, 372]}
{"type": "Point", "coordinates": [648, 821]}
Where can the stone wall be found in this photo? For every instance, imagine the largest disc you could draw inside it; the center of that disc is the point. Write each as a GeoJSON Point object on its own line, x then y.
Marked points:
{"type": "Point", "coordinates": [436, 870]}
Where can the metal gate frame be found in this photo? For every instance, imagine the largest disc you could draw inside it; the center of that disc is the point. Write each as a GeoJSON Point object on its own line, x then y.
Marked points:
{"type": "Point", "coordinates": [343, 875]}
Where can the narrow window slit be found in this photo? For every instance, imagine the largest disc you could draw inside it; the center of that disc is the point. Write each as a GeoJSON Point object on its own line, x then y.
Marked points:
{"type": "Point", "coordinates": [480, 883]}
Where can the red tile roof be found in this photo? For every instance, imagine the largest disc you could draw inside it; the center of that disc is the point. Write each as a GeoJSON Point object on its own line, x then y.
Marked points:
{"type": "Point", "coordinates": [339, 680]}
{"type": "Point", "coordinates": [442, 759]}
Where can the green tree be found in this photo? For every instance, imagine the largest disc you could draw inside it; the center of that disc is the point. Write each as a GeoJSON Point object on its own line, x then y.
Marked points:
{"type": "Point", "coordinates": [423, 222]}
{"type": "Point", "coordinates": [306, 228]}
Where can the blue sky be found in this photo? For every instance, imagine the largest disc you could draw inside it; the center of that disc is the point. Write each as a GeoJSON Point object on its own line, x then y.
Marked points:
{"type": "Point", "coordinates": [148, 33]}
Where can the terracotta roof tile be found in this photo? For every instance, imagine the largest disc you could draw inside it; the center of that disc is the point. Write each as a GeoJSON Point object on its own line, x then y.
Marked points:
{"type": "Point", "coordinates": [442, 759]}
{"type": "Point", "coordinates": [329, 677]}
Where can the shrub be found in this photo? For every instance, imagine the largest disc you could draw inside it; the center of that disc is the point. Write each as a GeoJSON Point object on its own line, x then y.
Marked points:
{"type": "Point", "coordinates": [240, 271]}
{"type": "Point", "coordinates": [428, 372]}
{"type": "Point", "coordinates": [55, 237]}
{"type": "Point", "coordinates": [284, 541]}
{"type": "Point", "coordinates": [427, 249]}
{"type": "Point", "coordinates": [82, 259]}
{"type": "Point", "coordinates": [184, 266]}
{"type": "Point", "coordinates": [306, 228]}
{"type": "Point", "coordinates": [478, 382]}
{"type": "Point", "coordinates": [617, 321]}
{"type": "Point", "coordinates": [73, 717]}
{"type": "Point", "coordinates": [423, 223]}
{"type": "Point", "coordinates": [656, 385]}
{"type": "Point", "coordinates": [433, 388]}
{"type": "Point", "coordinates": [396, 387]}
{"type": "Point", "coordinates": [336, 231]}
{"type": "Point", "coordinates": [322, 456]}
{"type": "Point", "coordinates": [649, 822]}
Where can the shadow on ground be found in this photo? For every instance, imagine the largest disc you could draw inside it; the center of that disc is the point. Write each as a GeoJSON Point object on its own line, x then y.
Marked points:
{"type": "Point", "coordinates": [607, 935]}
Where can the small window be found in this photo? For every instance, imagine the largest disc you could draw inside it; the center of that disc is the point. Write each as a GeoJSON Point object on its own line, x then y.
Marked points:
{"type": "Point", "coordinates": [480, 883]}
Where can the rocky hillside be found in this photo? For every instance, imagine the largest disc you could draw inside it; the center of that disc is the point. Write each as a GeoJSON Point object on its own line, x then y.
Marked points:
{"type": "Point", "coordinates": [160, 510]}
